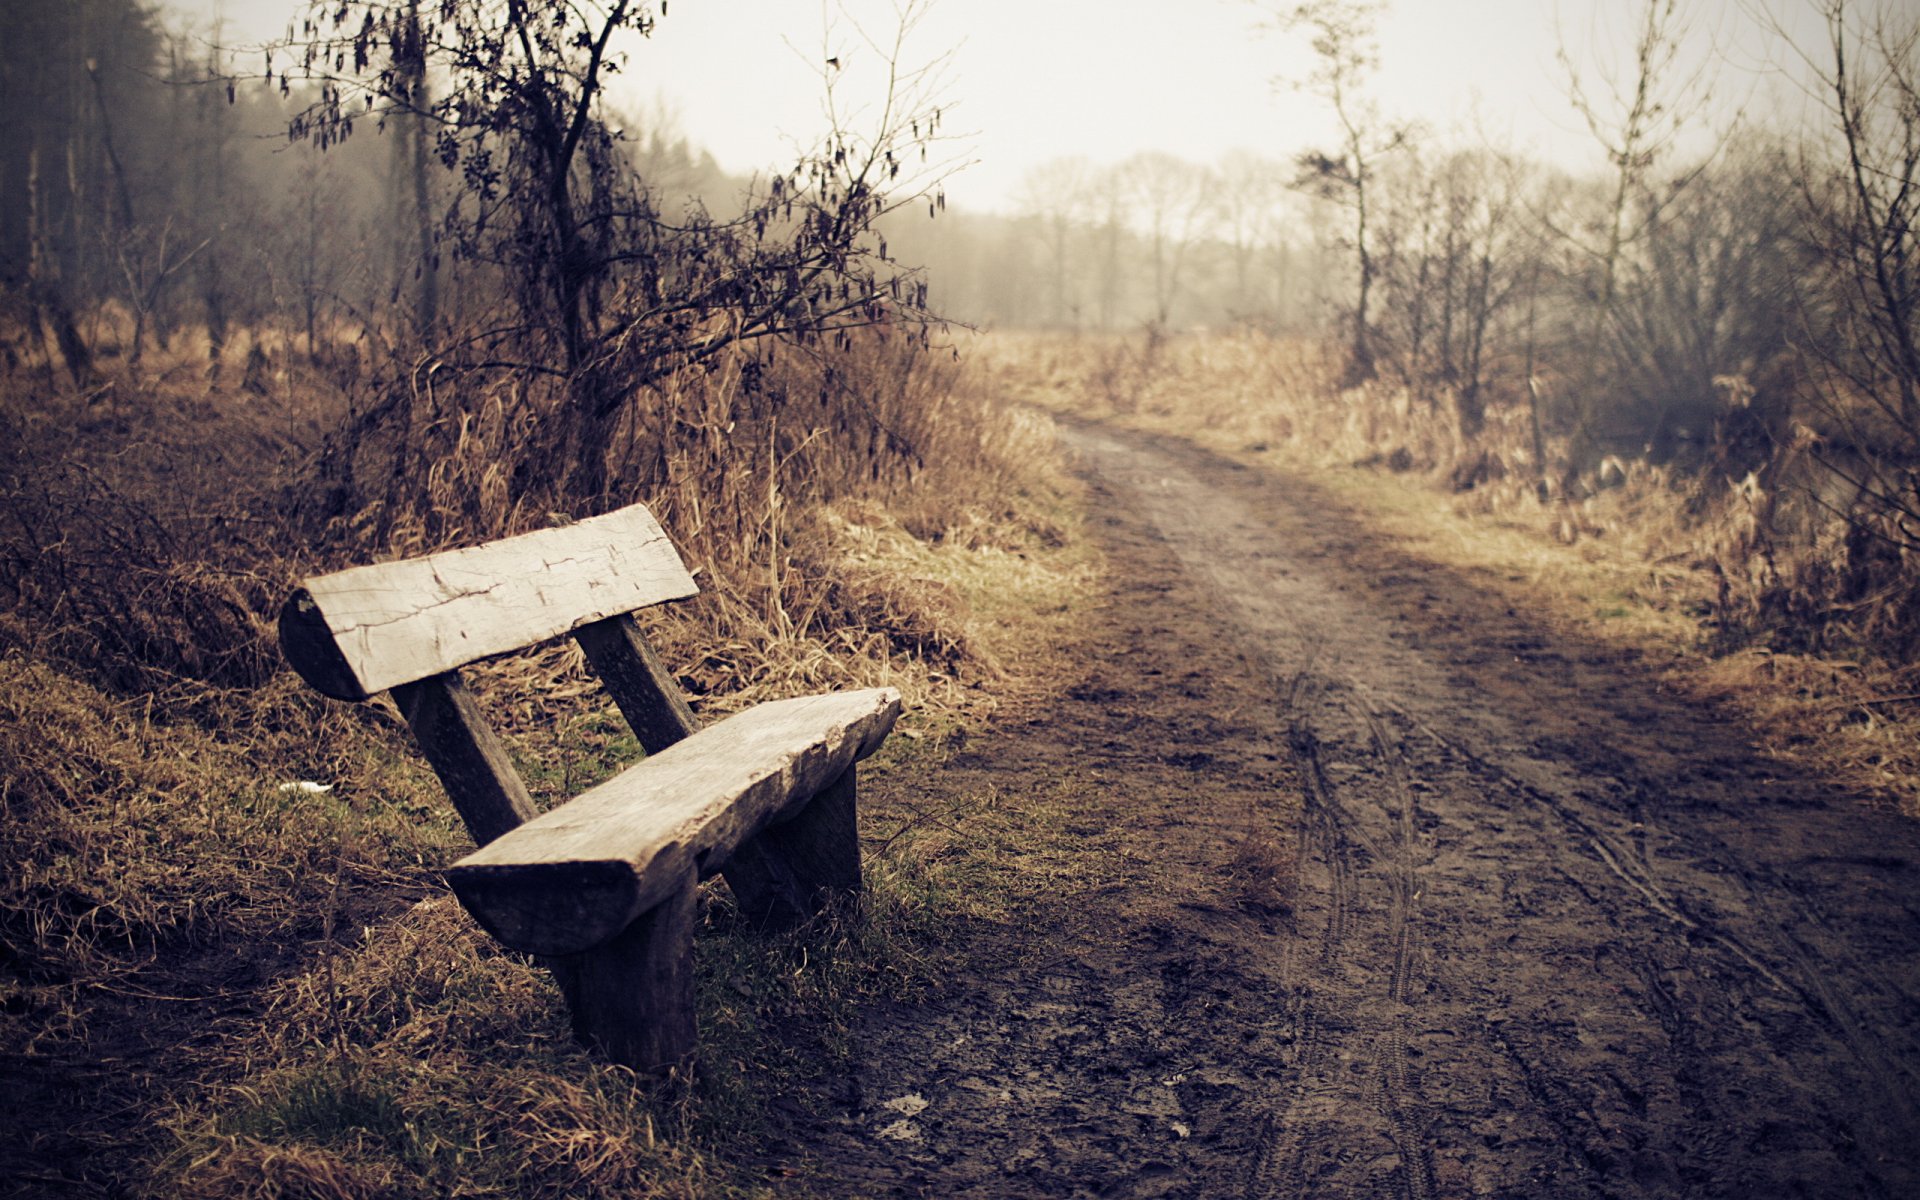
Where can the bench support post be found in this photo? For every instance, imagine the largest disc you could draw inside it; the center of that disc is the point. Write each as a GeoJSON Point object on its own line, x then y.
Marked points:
{"type": "Point", "coordinates": [791, 870]}
{"type": "Point", "coordinates": [638, 681]}
{"type": "Point", "coordinates": [465, 754]}
{"type": "Point", "coordinates": [632, 998]}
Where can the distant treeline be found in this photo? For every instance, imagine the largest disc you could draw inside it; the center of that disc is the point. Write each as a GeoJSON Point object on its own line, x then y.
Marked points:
{"type": "Point", "coordinates": [1686, 303]}
{"type": "Point", "coordinates": [1773, 274]}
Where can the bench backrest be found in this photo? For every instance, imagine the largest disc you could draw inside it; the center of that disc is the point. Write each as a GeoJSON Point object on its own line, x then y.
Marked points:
{"type": "Point", "coordinates": [407, 627]}
{"type": "Point", "coordinates": [364, 630]}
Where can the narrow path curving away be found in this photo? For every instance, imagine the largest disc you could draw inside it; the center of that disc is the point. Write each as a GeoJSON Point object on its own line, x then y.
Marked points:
{"type": "Point", "coordinates": [1554, 931]}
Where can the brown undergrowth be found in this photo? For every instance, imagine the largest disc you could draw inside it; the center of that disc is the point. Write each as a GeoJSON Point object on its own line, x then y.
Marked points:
{"type": "Point", "coordinates": [1754, 589]}
{"type": "Point", "coordinates": [232, 882]}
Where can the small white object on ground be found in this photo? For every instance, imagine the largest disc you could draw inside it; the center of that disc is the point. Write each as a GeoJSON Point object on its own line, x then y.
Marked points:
{"type": "Point", "coordinates": [902, 1130]}
{"type": "Point", "coordinates": [908, 1105]}
{"type": "Point", "coordinates": [306, 787]}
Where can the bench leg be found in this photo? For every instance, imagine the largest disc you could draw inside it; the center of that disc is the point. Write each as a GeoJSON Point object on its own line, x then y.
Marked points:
{"type": "Point", "coordinates": [787, 873]}
{"type": "Point", "coordinates": [632, 998]}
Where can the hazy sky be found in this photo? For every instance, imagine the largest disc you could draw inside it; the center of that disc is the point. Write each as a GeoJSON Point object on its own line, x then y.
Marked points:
{"type": "Point", "coordinates": [1033, 80]}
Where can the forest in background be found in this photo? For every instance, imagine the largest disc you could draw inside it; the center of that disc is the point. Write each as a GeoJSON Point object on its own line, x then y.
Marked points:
{"type": "Point", "coordinates": [1725, 322]}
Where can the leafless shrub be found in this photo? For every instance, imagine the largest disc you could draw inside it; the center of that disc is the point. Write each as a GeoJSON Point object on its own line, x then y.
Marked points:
{"type": "Point", "coordinates": [108, 587]}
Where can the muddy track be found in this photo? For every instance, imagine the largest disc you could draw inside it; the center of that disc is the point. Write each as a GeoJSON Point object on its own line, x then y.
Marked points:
{"type": "Point", "coordinates": [1555, 932]}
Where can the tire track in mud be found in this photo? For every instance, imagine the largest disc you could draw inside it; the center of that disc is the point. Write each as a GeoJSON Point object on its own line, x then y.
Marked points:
{"type": "Point", "coordinates": [1388, 1084]}
{"type": "Point", "coordinates": [1401, 1097]}
{"type": "Point", "coordinates": [1800, 975]}
{"type": "Point", "coordinates": [1278, 1167]}
{"type": "Point", "coordinates": [1669, 993]}
{"type": "Point", "coordinates": [1804, 974]}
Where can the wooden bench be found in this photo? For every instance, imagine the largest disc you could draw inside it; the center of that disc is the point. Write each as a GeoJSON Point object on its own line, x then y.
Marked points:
{"type": "Point", "coordinates": [601, 887]}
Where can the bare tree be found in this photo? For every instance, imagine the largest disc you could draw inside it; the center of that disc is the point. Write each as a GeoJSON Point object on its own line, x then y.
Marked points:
{"type": "Point", "coordinates": [149, 259]}
{"type": "Point", "coordinates": [1342, 36]}
{"type": "Point", "coordinates": [608, 292]}
{"type": "Point", "coordinates": [1248, 196]}
{"type": "Point", "coordinates": [1453, 259]}
{"type": "Point", "coordinates": [1862, 201]}
{"type": "Point", "coordinates": [412, 203]}
{"type": "Point", "coordinates": [1865, 219]}
{"type": "Point", "coordinates": [1637, 111]}
{"type": "Point", "coordinates": [1713, 298]}
{"type": "Point", "coordinates": [1169, 198]}
{"type": "Point", "coordinates": [1112, 208]}
{"type": "Point", "coordinates": [1060, 196]}
{"type": "Point", "coordinates": [1644, 109]}
{"type": "Point", "coordinates": [75, 79]}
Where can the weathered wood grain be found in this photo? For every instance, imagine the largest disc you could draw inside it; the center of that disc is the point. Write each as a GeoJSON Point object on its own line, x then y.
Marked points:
{"type": "Point", "coordinates": [461, 747]}
{"type": "Point", "coordinates": [658, 714]}
{"type": "Point", "coordinates": [308, 645]}
{"type": "Point", "coordinates": [632, 998]}
{"type": "Point", "coordinates": [397, 622]}
{"type": "Point", "coordinates": [574, 878]}
{"type": "Point", "coordinates": [638, 681]}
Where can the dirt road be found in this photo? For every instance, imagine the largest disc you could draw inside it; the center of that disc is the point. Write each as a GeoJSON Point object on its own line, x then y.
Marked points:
{"type": "Point", "coordinates": [1553, 932]}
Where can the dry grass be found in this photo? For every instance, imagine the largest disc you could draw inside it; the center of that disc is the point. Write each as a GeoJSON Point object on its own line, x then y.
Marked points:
{"type": "Point", "coordinates": [899, 526]}
{"type": "Point", "coordinates": [425, 1062]}
{"type": "Point", "coordinates": [1858, 722]}
{"type": "Point", "coordinates": [132, 840]}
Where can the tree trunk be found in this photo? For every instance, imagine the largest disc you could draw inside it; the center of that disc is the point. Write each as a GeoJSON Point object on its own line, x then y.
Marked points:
{"type": "Point", "coordinates": [1360, 360]}
{"type": "Point", "coordinates": [66, 332]}
{"type": "Point", "coordinates": [414, 148]}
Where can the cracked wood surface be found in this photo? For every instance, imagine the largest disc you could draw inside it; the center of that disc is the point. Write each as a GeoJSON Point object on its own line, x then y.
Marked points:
{"type": "Point", "coordinates": [574, 877]}
{"type": "Point", "coordinates": [363, 630]}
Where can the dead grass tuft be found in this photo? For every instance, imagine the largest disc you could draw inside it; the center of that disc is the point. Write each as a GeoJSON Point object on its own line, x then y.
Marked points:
{"type": "Point", "coordinates": [255, 1170]}
{"type": "Point", "coordinates": [1857, 721]}
{"type": "Point", "coordinates": [1264, 871]}
{"type": "Point", "coordinates": [104, 584]}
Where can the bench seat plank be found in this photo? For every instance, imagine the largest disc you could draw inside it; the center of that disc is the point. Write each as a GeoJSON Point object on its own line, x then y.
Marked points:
{"type": "Point", "coordinates": [573, 878]}
{"type": "Point", "coordinates": [363, 630]}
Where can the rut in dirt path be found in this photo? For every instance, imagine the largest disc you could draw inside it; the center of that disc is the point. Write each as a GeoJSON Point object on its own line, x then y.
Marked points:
{"type": "Point", "coordinates": [1556, 933]}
